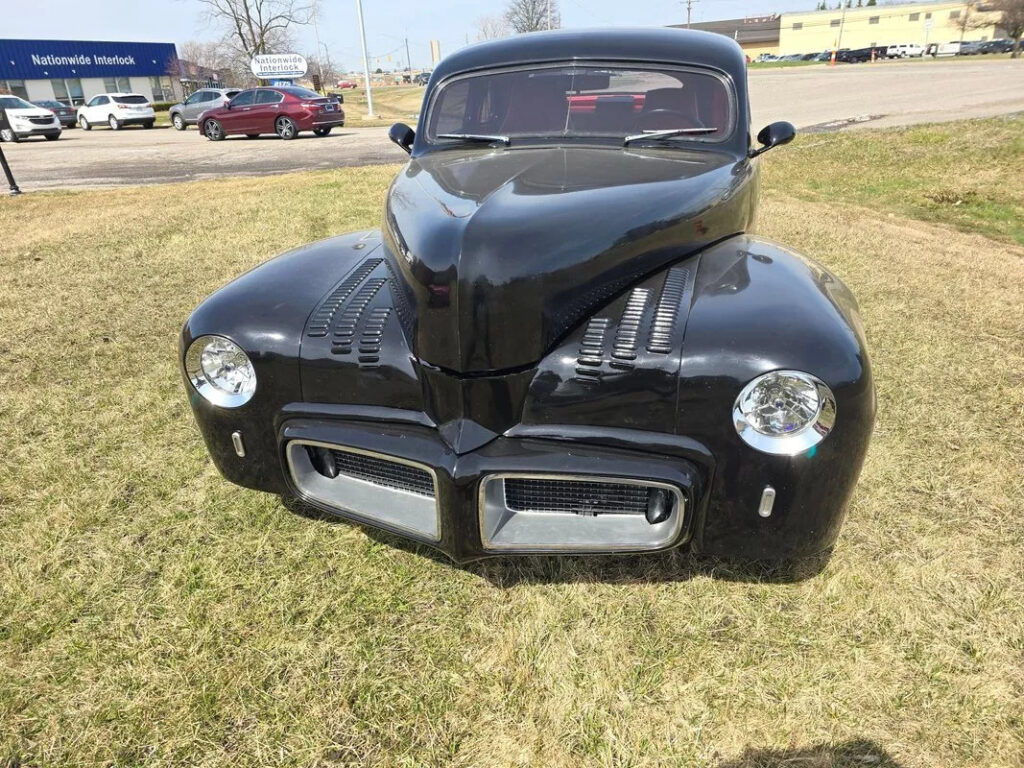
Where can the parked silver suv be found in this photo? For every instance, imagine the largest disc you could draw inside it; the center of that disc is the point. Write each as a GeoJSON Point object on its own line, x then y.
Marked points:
{"type": "Point", "coordinates": [187, 112]}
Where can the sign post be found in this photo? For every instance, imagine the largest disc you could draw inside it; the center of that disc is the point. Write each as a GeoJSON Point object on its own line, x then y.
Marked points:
{"type": "Point", "coordinates": [6, 125]}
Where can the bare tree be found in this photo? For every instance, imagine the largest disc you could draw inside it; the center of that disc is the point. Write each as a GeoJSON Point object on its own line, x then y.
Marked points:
{"type": "Point", "coordinates": [532, 15]}
{"type": "Point", "coordinates": [1011, 20]}
{"type": "Point", "coordinates": [257, 26]}
{"type": "Point", "coordinates": [323, 63]}
{"type": "Point", "coordinates": [204, 54]}
{"type": "Point", "coordinates": [491, 27]}
{"type": "Point", "coordinates": [967, 18]}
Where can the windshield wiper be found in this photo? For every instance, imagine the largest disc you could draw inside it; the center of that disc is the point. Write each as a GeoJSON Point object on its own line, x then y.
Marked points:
{"type": "Point", "coordinates": [490, 138]}
{"type": "Point", "coordinates": [667, 134]}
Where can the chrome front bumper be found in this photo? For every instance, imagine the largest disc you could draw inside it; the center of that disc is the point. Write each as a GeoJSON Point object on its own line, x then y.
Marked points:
{"type": "Point", "coordinates": [510, 496]}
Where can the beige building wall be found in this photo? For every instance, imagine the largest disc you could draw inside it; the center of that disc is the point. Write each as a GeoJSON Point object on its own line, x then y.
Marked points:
{"type": "Point", "coordinates": [753, 50]}
{"type": "Point", "coordinates": [920, 23]}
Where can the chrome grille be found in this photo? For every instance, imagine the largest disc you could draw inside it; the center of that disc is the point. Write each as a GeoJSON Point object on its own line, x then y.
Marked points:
{"type": "Point", "coordinates": [41, 120]}
{"type": "Point", "coordinates": [579, 497]}
{"type": "Point", "coordinates": [389, 474]}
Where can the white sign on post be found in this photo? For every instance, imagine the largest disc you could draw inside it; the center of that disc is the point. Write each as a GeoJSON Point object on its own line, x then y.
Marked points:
{"type": "Point", "coordinates": [270, 66]}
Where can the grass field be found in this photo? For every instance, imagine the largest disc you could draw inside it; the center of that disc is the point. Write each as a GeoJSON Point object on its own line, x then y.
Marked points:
{"type": "Point", "coordinates": [397, 103]}
{"type": "Point", "coordinates": [153, 615]}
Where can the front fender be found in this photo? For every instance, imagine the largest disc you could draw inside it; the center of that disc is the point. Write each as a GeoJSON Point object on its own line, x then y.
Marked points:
{"type": "Point", "coordinates": [757, 307]}
{"type": "Point", "coordinates": [265, 311]}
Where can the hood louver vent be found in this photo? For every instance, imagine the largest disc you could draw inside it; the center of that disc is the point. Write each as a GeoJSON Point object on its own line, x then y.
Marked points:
{"type": "Point", "coordinates": [660, 339]}
{"type": "Point", "coordinates": [345, 333]}
{"type": "Point", "coordinates": [629, 328]}
{"type": "Point", "coordinates": [320, 322]}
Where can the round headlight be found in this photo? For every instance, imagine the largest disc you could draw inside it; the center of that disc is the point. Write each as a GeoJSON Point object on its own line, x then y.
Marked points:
{"type": "Point", "coordinates": [220, 371]}
{"type": "Point", "coordinates": [784, 412]}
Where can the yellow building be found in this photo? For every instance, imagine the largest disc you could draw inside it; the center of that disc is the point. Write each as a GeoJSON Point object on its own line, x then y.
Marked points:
{"type": "Point", "coordinates": [920, 23]}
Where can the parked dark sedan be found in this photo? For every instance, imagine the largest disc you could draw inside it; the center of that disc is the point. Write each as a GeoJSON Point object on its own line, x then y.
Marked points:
{"type": "Point", "coordinates": [1002, 45]}
{"type": "Point", "coordinates": [858, 55]}
{"type": "Point", "coordinates": [284, 110]}
{"type": "Point", "coordinates": [566, 337]}
{"type": "Point", "coordinates": [66, 115]}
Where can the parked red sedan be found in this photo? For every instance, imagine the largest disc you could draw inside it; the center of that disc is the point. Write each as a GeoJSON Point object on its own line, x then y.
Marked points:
{"type": "Point", "coordinates": [284, 110]}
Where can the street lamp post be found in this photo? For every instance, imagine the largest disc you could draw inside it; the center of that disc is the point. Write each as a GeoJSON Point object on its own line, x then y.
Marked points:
{"type": "Point", "coordinates": [316, 35]}
{"type": "Point", "coordinates": [366, 61]}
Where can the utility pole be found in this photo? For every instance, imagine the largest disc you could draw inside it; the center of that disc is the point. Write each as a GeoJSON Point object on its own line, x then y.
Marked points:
{"type": "Point", "coordinates": [408, 58]}
{"type": "Point", "coordinates": [689, 8]}
{"type": "Point", "coordinates": [366, 61]}
{"type": "Point", "coordinates": [842, 24]}
{"type": "Point", "coordinates": [316, 35]}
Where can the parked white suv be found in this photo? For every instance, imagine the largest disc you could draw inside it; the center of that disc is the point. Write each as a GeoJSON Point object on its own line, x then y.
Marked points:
{"type": "Point", "coordinates": [904, 50]}
{"type": "Point", "coordinates": [117, 110]}
{"type": "Point", "coordinates": [26, 120]}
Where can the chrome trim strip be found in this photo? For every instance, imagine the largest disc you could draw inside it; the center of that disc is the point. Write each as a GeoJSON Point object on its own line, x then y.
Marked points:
{"type": "Point", "coordinates": [397, 520]}
{"type": "Point", "coordinates": [669, 531]}
{"type": "Point", "coordinates": [764, 509]}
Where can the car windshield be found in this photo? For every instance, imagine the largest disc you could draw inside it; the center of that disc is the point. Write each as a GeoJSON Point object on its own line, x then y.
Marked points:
{"type": "Point", "coordinates": [49, 104]}
{"type": "Point", "coordinates": [583, 101]}
{"type": "Point", "coordinates": [130, 99]}
{"type": "Point", "coordinates": [13, 102]}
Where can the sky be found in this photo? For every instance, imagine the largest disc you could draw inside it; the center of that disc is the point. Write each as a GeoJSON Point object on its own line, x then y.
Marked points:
{"type": "Point", "coordinates": [388, 22]}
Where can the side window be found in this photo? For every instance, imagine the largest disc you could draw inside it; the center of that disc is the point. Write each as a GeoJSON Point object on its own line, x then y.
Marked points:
{"type": "Point", "coordinates": [100, 100]}
{"type": "Point", "coordinates": [194, 97]}
{"type": "Point", "coordinates": [244, 99]}
{"type": "Point", "coordinates": [93, 101]}
{"type": "Point", "coordinates": [268, 97]}
{"type": "Point", "coordinates": [452, 115]}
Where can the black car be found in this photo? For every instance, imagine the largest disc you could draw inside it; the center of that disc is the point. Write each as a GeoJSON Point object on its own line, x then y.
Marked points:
{"type": "Point", "coordinates": [1003, 45]}
{"type": "Point", "coordinates": [858, 55]}
{"type": "Point", "coordinates": [566, 337]}
{"type": "Point", "coordinates": [421, 78]}
{"type": "Point", "coordinates": [65, 114]}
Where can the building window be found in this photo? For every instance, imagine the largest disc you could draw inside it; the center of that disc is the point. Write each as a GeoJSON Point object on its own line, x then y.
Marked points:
{"type": "Point", "coordinates": [161, 87]}
{"type": "Point", "coordinates": [68, 91]}
{"type": "Point", "coordinates": [928, 15]}
{"type": "Point", "coordinates": [117, 85]}
{"type": "Point", "coordinates": [798, 25]}
{"type": "Point", "coordinates": [954, 14]}
{"type": "Point", "coordinates": [915, 16]}
{"type": "Point", "coordinates": [14, 87]}
{"type": "Point", "coordinates": [834, 23]}
{"type": "Point", "coordinates": [872, 20]}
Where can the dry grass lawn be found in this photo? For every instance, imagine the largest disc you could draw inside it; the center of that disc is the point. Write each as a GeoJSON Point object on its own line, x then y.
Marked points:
{"type": "Point", "coordinates": [391, 104]}
{"type": "Point", "coordinates": [153, 615]}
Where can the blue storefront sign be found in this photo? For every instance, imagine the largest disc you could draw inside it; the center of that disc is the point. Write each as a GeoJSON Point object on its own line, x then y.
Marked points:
{"type": "Point", "coordinates": [45, 59]}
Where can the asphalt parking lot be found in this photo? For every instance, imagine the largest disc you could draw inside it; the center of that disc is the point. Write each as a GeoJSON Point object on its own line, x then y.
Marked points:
{"type": "Point", "coordinates": [814, 98]}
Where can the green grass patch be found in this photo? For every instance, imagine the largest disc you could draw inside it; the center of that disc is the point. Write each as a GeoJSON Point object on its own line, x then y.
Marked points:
{"type": "Point", "coordinates": [151, 614]}
{"type": "Point", "coordinates": [969, 175]}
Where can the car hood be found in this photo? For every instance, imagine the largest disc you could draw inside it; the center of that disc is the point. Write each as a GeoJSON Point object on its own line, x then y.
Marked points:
{"type": "Point", "coordinates": [34, 112]}
{"type": "Point", "coordinates": [501, 252]}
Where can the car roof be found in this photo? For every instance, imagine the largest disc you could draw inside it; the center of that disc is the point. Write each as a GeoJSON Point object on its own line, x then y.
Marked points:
{"type": "Point", "coordinates": [662, 45]}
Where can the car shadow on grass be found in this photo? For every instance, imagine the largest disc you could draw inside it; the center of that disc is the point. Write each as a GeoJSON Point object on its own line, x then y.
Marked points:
{"type": "Point", "coordinates": [667, 566]}
{"type": "Point", "coordinates": [859, 753]}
